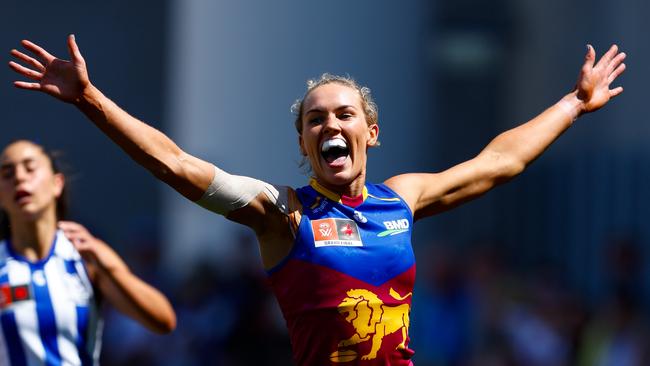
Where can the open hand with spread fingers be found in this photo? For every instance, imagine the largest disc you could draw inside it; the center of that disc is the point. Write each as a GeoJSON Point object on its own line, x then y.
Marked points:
{"type": "Point", "coordinates": [594, 82]}
{"type": "Point", "coordinates": [63, 79]}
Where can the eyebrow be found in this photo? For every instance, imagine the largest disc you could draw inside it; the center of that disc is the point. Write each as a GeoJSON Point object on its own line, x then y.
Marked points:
{"type": "Point", "coordinates": [319, 109]}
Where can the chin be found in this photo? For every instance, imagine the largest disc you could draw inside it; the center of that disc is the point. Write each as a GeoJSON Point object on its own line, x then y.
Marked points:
{"type": "Point", "coordinates": [29, 213]}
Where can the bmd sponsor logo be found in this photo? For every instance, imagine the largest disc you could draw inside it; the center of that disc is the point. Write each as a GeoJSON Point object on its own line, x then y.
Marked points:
{"type": "Point", "coordinates": [394, 227]}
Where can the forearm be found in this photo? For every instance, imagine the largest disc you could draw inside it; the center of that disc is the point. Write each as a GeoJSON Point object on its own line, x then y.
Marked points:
{"type": "Point", "coordinates": [146, 145]}
{"type": "Point", "coordinates": [520, 146]}
{"type": "Point", "coordinates": [137, 299]}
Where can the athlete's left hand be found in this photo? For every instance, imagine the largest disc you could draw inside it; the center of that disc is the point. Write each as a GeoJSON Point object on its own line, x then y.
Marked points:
{"type": "Point", "coordinates": [593, 86]}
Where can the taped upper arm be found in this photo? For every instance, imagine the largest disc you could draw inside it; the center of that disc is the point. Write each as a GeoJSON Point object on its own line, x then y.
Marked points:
{"type": "Point", "coordinates": [228, 192]}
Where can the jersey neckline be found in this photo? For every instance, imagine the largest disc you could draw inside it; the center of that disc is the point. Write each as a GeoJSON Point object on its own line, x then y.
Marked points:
{"type": "Point", "coordinates": [343, 199]}
{"type": "Point", "coordinates": [35, 264]}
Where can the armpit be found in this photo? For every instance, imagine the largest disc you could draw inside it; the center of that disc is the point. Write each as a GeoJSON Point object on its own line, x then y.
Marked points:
{"type": "Point", "coordinates": [286, 200]}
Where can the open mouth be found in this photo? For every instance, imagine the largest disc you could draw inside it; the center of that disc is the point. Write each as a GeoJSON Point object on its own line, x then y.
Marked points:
{"type": "Point", "coordinates": [335, 150]}
{"type": "Point", "coordinates": [20, 195]}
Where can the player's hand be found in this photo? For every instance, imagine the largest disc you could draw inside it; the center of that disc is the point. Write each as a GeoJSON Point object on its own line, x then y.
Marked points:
{"type": "Point", "coordinates": [93, 250]}
{"type": "Point", "coordinates": [65, 80]}
{"type": "Point", "coordinates": [593, 86]}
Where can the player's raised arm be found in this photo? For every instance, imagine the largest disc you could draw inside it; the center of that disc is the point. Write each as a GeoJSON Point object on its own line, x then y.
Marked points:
{"type": "Point", "coordinates": [68, 81]}
{"type": "Point", "coordinates": [512, 151]}
{"type": "Point", "coordinates": [194, 178]}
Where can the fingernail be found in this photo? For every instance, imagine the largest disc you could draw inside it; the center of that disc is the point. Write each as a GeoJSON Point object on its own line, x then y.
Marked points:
{"type": "Point", "coordinates": [588, 47]}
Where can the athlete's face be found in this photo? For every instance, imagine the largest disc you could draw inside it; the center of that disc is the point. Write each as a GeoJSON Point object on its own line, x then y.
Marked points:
{"type": "Point", "coordinates": [28, 185]}
{"type": "Point", "coordinates": [335, 137]}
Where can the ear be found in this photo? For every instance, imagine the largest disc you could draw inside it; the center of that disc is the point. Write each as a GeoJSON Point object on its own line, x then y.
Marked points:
{"type": "Point", "coordinates": [59, 183]}
{"type": "Point", "coordinates": [301, 145]}
{"type": "Point", "coordinates": [373, 135]}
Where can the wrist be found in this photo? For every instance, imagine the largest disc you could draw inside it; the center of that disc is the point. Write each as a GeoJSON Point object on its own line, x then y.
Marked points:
{"type": "Point", "coordinates": [572, 106]}
{"type": "Point", "coordinates": [112, 267]}
{"type": "Point", "coordinates": [89, 95]}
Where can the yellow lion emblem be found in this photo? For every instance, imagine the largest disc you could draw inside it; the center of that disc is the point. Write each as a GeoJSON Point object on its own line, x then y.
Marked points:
{"type": "Point", "coordinates": [372, 320]}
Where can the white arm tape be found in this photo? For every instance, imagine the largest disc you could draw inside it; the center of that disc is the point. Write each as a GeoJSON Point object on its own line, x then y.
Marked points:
{"type": "Point", "coordinates": [229, 192]}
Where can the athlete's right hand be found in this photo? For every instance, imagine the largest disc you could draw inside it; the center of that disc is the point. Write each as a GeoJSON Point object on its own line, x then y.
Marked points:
{"type": "Point", "coordinates": [92, 249]}
{"type": "Point", "coordinates": [65, 80]}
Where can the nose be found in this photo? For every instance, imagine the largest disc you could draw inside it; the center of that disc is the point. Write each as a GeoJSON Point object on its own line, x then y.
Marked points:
{"type": "Point", "coordinates": [331, 123]}
{"type": "Point", "coordinates": [20, 174]}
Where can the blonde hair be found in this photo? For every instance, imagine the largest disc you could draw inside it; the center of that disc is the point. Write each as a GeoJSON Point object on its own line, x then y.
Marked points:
{"type": "Point", "coordinates": [367, 103]}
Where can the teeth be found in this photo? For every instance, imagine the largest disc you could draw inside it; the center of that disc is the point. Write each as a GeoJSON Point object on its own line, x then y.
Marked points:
{"type": "Point", "coordinates": [337, 142]}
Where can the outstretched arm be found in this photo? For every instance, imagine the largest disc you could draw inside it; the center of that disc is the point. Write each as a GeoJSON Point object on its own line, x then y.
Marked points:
{"type": "Point", "coordinates": [512, 151]}
{"type": "Point", "coordinates": [68, 81]}
{"type": "Point", "coordinates": [124, 290]}
{"type": "Point", "coordinates": [194, 178]}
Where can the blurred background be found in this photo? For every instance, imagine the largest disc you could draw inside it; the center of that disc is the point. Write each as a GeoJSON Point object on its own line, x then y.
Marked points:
{"type": "Point", "coordinates": [550, 269]}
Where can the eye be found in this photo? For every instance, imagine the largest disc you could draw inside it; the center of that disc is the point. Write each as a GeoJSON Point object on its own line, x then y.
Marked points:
{"type": "Point", "coordinates": [30, 166]}
{"type": "Point", "coordinates": [345, 116]}
{"type": "Point", "coordinates": [315, 120]}
{"type": "Point", "coordinates": [6, 172]}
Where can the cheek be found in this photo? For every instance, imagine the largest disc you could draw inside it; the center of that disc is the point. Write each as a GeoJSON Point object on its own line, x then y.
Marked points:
{"type": "Point", "coordinates": [5, 201]}
{"type": "Point", "coordinates": [310, 140]}
{"type": "Point", "coordinates": [43, 187]}
{"type": "Point", "coordinates": [5, 190]}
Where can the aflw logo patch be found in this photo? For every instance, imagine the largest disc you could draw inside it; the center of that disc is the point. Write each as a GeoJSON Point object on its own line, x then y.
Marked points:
{"type": "Point", "coordinates": [336, 232]}
{"type": "Point", "coordinates": [394, 227]}
{"type": "Point", "coordinates": [12, 294]}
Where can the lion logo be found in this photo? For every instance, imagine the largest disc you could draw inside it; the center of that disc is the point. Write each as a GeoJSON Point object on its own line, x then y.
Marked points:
{"type": "Point", "coordinates": [372, 320]}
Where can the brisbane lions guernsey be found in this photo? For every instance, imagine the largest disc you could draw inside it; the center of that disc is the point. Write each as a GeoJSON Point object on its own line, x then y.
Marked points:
{"type": "Point", "coordinates": [48, 309]}
{"type": "Point", "coordinates": [345, 288]}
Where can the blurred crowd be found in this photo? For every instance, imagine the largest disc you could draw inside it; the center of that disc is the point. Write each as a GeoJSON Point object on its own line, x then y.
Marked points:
{"type": "Point", "coordinates": [482, 307]}
{"type": "Point", "coordinates": [473, 305]}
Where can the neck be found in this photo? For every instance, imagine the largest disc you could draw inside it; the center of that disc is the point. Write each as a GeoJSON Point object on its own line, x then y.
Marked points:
{"type": "Point", "coordinates": [33, 238]}
{"type": "Point", "coordinates": [351, 190]}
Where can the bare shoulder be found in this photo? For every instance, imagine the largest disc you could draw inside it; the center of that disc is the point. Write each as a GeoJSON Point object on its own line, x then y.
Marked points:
{"type": "Point", "coordinates": [408, 186]}
{"type": "Point", "coordinates": [426, 193]}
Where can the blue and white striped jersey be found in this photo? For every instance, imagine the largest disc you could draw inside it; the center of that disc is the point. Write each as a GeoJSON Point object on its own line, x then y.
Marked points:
{"type": "Point", "coordinates": [49, 313]}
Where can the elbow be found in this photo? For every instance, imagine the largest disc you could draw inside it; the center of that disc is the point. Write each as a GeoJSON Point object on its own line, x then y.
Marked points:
{"type": "Point", "coordinates": [505, 167]}
{"type": "Point", "coordinates": [180, 173]}
{"type": "Point", "coordinates": [165, 163]}
{"type": "Point", "coordinates": [511, 170]}
{"type": "Point", "coordinates": [164, 171]}
{"type": "Point", "coordinates": [167, 327]}
{"type": "Point", "coordinates": [159, 316]}
{"type": "Point", "coordinates": [165, 324]}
